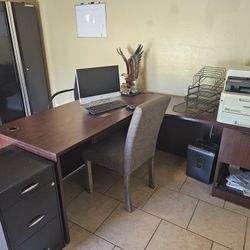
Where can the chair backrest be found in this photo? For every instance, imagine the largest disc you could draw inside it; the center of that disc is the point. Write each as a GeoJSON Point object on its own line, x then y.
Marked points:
{"type": "Point", "coordinates": [143, 132]}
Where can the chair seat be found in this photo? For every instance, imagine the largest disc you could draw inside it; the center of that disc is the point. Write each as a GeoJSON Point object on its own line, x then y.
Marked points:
{"type": "Point", "coordinates": [109, 152]}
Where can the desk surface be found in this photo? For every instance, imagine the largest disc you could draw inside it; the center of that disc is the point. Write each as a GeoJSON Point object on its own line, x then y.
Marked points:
{"type": "Point", "coordinates": [53, 132]}
{"type": "Point", "coordinates": [205, 118]}
{"type": "Point", "coordinates": [56, 131]}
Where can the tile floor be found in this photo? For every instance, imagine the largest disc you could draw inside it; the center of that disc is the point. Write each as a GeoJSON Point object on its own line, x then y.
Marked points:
{"type": "Point", "coordinates": [178, 214]}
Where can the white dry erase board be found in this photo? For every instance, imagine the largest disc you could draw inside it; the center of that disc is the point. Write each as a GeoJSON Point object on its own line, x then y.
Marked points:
{"type": "Point", "coordinates": [91, 20]}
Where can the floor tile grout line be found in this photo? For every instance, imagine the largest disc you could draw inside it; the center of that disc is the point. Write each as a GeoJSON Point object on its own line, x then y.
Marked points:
{"type": "Point", "coordinates": [100, 237]}
{"type": "Point", "coordinates": [158, 217]}
{"type": "Point", "coordinates": [153, 234]}
{"type": "Point", "coordinates": [107, 241]}
{"type": "Point", "coordinates": [176, 191]}
{"type": "Point", "coordinates": [97, 192]}
{"type": "Point", "coordinates": [90, 194]}
{"type": "Point", "coordinates": [116, 199]}
{"type": "Point", "coordinates": [109, 172]}
{"type": "Point", "coordinates": [193, 214]}
{"type": "Point", "coordinates": [204, 237]}
{"type": "Point", "coordinates": [192, 196]}
{"type": "Point", "coordinates": [101, 223]}
{"type": "Point", "coordinates": [92, 233]}
{"type": "Point", "coordinates": [136, 177]}
{"type": "Point", "coordinates": [212, 204]}
{"type": "Point", "coordinates": [202, 200]}
{"type": "Point", "coordinates": [122, 201]}
{"type": "Point", "coordinates": [143, 177]}
{"type": "Point", "coordinates": [155, 190]}
{"type": "Point", "coordinates": [226, 209]}
{"type": "Point", "coordinates": [223, 245]}
{"type": "Point", "coordinates": [245, 236]}
{"type": "Point", "coordinates": [119, 247]}
{"type": "Point", "coordinates": [74, 198]}
{"type": "Point", "coordinates": [235, 212]}
{"type": "Point", "coordinates": [113, 185]}
{"type": "Point", "coordinates": [219, 243]}
{"type": "Point", "coordinates": [75, 223]}
{"type": "Point", "coordinates": [184, 182]}
{"type": "Point", "coordinates": [212, 245]}
{"type": "Point", "coordinates": [110, 214]}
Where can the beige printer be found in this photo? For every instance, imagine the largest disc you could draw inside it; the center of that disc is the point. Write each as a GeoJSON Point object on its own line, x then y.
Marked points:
{"type": "Point", "coordinates": [234, 107]}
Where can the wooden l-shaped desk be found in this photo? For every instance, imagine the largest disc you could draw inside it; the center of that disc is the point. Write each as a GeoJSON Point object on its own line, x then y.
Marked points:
{"type": "Point", "coordinates": [54, 133]}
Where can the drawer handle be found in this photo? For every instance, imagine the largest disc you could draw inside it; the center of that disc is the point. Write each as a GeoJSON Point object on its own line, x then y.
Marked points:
{"type": "Point", "coordinates": [29, 188]}
{"type": "Point", "coordinates": [36, 220]}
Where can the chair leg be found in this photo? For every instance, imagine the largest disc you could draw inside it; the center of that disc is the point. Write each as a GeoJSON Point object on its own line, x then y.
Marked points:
{"type": "Point", "coordinates": [89, 179]}
{"type": "Point", "coordinates": [127, 193]}
{"type": "Point", "coordinates": [151, 179]}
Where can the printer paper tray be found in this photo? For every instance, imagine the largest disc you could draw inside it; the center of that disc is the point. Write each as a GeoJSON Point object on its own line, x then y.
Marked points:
{"type": "Point", "coordinates": [234, 119]}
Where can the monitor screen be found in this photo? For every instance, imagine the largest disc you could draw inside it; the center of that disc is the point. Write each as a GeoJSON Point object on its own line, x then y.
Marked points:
{"type": "Point", "coordinates": [97, 83]}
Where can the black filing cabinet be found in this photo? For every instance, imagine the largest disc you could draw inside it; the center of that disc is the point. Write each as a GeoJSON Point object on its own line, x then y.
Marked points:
{"type": "Point", "coordinates": [29, 204]}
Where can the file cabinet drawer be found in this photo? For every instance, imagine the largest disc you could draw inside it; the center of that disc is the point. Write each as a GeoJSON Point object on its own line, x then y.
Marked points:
{"type": "Point", "coordinates": [48, 237]}
{"type": "Point", "coordinates": [234, 148]}
{"type": "Point", "coordinates": [27, 216]}
{"type": "Point", "coordinates": [21, 174]}
{"type": "Point", "coordinates": [26, 188]}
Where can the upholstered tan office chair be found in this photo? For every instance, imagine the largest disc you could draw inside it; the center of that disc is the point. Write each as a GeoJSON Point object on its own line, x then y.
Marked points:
{"type": "Point", "coordinates": [126, 152]}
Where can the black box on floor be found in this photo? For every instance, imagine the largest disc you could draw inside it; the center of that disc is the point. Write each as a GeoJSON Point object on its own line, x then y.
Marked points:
{"type": "Point", "coordinates": [201, 160]}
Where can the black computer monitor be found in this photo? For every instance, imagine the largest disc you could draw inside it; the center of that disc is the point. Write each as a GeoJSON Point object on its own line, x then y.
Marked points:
{"type": "Point", "coordinates": [97, 83]}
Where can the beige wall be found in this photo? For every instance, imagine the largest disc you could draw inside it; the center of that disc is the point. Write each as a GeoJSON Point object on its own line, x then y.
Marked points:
{"type": "Point", "coordinates": [179, 37]}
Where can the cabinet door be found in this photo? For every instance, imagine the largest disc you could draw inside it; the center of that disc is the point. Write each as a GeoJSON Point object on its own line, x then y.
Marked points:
{"type": "Point", "coordinates": [30, 45]}
{"type": "Point", "coordinates": [11, 102]}
{"type": "Point", "coordinates": [235, 148]}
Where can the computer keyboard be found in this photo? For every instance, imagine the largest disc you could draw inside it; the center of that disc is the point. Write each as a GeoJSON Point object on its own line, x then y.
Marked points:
{"type": "Point", "coordinates": [104, 107]}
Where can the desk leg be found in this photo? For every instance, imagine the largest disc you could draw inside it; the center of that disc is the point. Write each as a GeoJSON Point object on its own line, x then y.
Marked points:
{"type": "Point", "coordinates": [62, 202]}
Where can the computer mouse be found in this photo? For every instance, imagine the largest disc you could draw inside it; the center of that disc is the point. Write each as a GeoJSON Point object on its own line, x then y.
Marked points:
{"type": "Point", "coordinates": [130, 107]}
